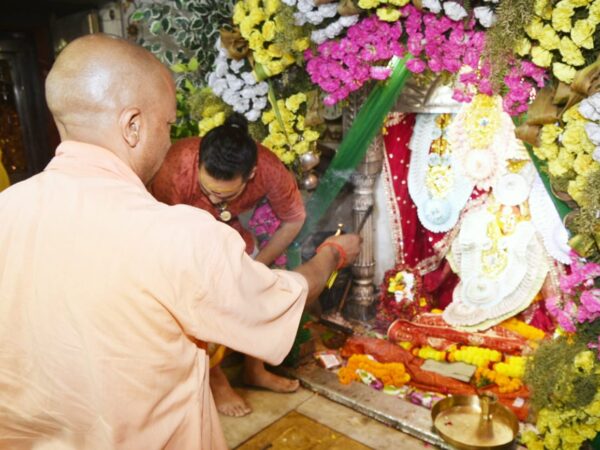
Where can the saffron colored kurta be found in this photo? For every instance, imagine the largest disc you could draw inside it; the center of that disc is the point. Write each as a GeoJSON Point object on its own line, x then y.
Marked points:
{"type": "Point", "coordinates": [104, 293]}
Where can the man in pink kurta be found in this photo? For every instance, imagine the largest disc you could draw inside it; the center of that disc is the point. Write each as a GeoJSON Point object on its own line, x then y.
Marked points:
{"type": "Point", "coordinates": [106, 294]}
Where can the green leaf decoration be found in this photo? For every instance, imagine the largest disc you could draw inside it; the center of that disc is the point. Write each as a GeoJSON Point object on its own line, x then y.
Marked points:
{"type": "Point", "coordinates": [166, 24]}
{"type": "Point", "coordinates": [193, 64]}
{"type": "Point", "coordinates": [137, 16]}
{"type": "Point", "coordinates": [179, 68]}
{"type": "Point", "coordinates": [155, 27]}
{"type": "Point", "coordinates": [169, 57]}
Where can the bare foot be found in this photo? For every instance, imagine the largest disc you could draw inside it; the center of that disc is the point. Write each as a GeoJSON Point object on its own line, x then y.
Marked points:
{"type": "Point", "coordinates": [255, 374]}
{"type": "Point", "coordinates": [227, 400]}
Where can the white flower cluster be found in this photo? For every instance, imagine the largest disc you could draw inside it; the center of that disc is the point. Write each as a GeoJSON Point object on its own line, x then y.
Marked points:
{"type": "Point", "coordinates": [237, 87]}
{"type": "Point", "coordinates": [308, 12]}
{"type": "Point", "coordinates": [455, 11]}
{"type": "Point", "coordinates": [590, 109]}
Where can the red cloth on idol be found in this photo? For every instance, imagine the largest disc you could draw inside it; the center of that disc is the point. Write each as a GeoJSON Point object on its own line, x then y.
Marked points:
{"type": "Point", "coordinates": [417, 242]}
{"type": "Point", "coordinates": [177, 183]}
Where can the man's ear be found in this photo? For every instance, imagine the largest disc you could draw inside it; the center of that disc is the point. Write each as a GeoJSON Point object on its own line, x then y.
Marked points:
{"type": "Point", "coordinates": [252, 173]}
{"type": "Point", "coordinates": [130, 125]}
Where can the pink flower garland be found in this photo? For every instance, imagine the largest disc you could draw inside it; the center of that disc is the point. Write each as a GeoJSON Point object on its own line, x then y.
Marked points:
{"type": "Point", "coordinates": [437, 43]}
{"type": "Point", "coordinates": [583, 299]}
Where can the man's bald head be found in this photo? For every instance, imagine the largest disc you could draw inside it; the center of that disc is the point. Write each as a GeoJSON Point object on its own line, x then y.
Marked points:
{"type": "Point", "coordinates": [96, 76]}
{"type": "Point", "coordinates": [109, 92]}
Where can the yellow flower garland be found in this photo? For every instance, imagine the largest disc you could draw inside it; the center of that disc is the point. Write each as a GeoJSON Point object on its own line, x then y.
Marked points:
{"type": "Point", "coordinates": [289, 138]}
{"type": "Point", "coordinates": [390, 374]}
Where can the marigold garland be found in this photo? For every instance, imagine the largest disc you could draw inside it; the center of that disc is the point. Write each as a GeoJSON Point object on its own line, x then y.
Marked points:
{"type": "Point", "coordinates": [524, 329]}
{"type": "Point", "coordinates": [390, 374]}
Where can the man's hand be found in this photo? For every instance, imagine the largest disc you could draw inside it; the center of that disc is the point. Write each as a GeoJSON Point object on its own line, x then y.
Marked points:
{"type": "Point", "coordinates": [318, 269]}
{"type": "Point", "coordinates": [350, 244]}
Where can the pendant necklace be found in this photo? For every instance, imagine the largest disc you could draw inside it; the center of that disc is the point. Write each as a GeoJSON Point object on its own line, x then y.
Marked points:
{"type": "Point", "coordinates": [224, 213]}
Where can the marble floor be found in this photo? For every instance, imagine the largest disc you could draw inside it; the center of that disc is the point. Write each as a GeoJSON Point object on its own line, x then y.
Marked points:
{"type": "Point", "coordinates": [307, 420]}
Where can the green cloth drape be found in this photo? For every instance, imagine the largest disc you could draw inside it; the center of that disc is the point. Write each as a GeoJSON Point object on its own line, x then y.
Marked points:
{"type": "Point", "coordinates": [351, 152]}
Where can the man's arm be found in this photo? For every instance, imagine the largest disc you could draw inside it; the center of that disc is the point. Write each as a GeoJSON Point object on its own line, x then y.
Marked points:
{"type": "Point", "coordinates": [317, 269]}
{"type": "Point", "coordinates": [280, 240]}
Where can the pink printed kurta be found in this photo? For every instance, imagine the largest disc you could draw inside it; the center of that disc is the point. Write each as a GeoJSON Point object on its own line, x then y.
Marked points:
{"type": "Point", "coordinates": [103, 294]}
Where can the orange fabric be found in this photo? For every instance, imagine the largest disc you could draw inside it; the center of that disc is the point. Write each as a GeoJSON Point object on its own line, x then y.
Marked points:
{"type": "Point", "coordinates": [177, 183]}
{"type": "Point", "coordinates": [104, 293]}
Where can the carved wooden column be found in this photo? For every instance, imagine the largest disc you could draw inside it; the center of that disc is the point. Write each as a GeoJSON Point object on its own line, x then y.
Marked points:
{"type": "Point", "coordinates": [361, 303]}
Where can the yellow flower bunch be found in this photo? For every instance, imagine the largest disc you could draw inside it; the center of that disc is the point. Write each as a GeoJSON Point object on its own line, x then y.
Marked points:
{"type": "Point", "coordinates": [568, 150]}
{"type": "Point", "coordinates": [271, 34]}
{"type": "Point", "coordinates": [397, 283]}
{"type": "Point", "coordinates": [390, 374]}
{"type": "Point", "coordinates": [387, 10]}
{"type": "Point", "coordinates": [513, 366]}
{"type": "Point", "coordinates": [288, 136]}
{"type": "Point", "coordinates": [427, 352]}
{"type": "Point", "coordinates": [564, 429]}
{"type": "Point", "coordinates": [505, 383]}
{"type": "Point", "coordinates": [524, 329]}
{"type": "Point", "coordinates": [556, 36]}
{"type": "Point", "coordinates": [477, 356]}
{"type": "Point", "coordinates": [210, 122]}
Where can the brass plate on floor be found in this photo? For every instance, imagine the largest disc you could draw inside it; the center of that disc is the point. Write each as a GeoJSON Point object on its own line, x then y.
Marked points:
{"type": "Point", "coordinates": [295, 431]}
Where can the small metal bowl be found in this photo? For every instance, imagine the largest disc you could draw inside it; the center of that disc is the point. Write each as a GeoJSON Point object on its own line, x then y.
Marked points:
{"type": "Point", "coordinates": [473, 422]}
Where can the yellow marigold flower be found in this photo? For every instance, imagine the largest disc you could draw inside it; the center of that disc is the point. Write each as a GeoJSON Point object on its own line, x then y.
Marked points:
{"type": "Point", "coordinates": [535, 27]}
{"type": "Point", "coordinates": [205, 125]}
{"type": "Point", "coordinates": [548, 38]}
{"type": "Point", "coordinates": [547, 152]}
{"type": "Point", "coordinates": [268, 30]}
{"type": "Point", "coordinates": [256, 16]}
{"type": "Point", "coordinates": [573, 115]}
{"type": "Point", "coordinates": [541, 57]}
{"type": "Point", "coordinates": [563, 72]}
{"type": "Point", "coordinates": [299, 45]}
{"type": "Point", "coordinates": [260, 54]}
{"type": "Point", "coordinates": [274, 50]}
{"type": "Point", "coordinates": [532, 441]}
{"type": "Point", "coordinates": [523, 47]}
{"type": "Point", "coordinates": [275, 67]}
{"type": "Point", "coordinates": [255, 40]}
{"type": "Point", "coordinates": [288, 158]}
{"type": "Point", "coordinates": [578, 3]}
{"type": "Point", "coordinates": [543, 8]}
{"type": "Point", "coordinates": [572, 137]}
{"type": "Point", "coordinates": [278, 139]}
{"type": "Point", "coordinates": [570, 52]}
{"type": "Point", "coordinates": [293, 102]}
{"type": "Point", "coordinates": [552, 442]}
{"type": "Point", "coordinates": [556, 168]}
{"type": "Point", "coordinates": [582, 33]}
{"type": "Point", "coordinates": [583, 164]}
{"type": "Point", "coordinates": [311, 135]}
{"type": "Point", "coordinates": [561, 16]}
{"type": "Point", "coordinates": [584, 362]}
{"type": "Point", "coordinates": [293, 138]}
{"type": "Point", "coordinates": [239, 13]}
{"type": "Point", "coordinates": [300, 123]}
{"type": "Point", "coordinates": [398, 2]}
{"type": "Point", "coordinates": [550, 133]}
{"type": "Point", "coordinates": [271, 6]}
{"type": "Point", "coordinates": [302, 147]}
{"type": "Point", "coordinates": [594, 13]}
{"type": "Point", "coordinates": [253, 4]}
{"type": "Point", "coordinates": [368, 4]}
{"type": "Point", "coordinates": [268, 116]}
{"type": "Point", "coordinates": [388, 14]}
{"type": "Point", "coordinates": [246, 28]}
{"type": "Point", "coordinates": [566, 158]}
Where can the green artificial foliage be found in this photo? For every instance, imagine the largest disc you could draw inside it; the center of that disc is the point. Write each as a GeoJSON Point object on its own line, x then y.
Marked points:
{"type": "Point", "coordinates": [179, 31]}
{"type": "Point", "coordinates": [512, 16]}
{"type": "Point", "coordinates": [555, 380]}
